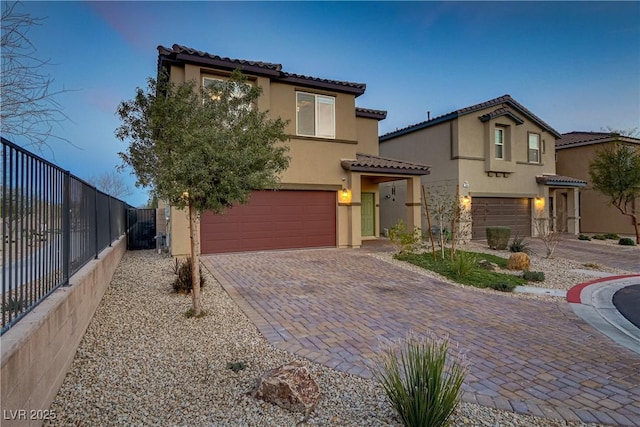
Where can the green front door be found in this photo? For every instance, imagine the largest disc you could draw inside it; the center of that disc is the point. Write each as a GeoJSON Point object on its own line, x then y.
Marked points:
{"type": "Point", "coordinates": [368, 214]}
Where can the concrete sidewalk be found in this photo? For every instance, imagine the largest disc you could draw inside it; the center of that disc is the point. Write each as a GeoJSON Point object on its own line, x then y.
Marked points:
{"type": "Point", "coordinates": [594, 302]}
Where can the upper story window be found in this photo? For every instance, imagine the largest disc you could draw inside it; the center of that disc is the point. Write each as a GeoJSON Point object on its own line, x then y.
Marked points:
{"type": "Point", "coordinates": [316, 115]}
{"type": "Point", "coordinates": [534, 148]}
{"type": "Point", "coordinates": [499, 143]}
{"type": "Point", "coordinates": [215, 85]}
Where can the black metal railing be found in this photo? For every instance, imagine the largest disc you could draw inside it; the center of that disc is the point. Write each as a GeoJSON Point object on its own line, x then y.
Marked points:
{"type": "Point", "coordinates": [53, 223]}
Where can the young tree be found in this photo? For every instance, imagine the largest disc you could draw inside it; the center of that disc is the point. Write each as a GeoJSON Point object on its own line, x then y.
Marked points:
{"type": "Point", "coordinates": [615, 172]}
{"type": "Point", "coordinates": [111, 183]}
{"type": "Point", "coordinates": [202, 149]}
{"type": "Point", "coordinates": [28, 105]}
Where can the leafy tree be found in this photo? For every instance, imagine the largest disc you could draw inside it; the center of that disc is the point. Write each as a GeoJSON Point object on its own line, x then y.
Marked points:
{"type": "Point", "coordinates": [111, 183]}
{"type": "Point", "coordinates": [631, 132]}
{"type": "Point", "coordinates": [615, 172]}
{"type": "Point", "coordinates": [202, 148]}
{"type": "Point", "coordinates": [28, 105]}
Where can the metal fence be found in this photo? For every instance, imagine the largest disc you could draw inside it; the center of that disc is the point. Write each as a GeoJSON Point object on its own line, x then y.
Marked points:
{"type": "Point", "coordinates": [53, 223]}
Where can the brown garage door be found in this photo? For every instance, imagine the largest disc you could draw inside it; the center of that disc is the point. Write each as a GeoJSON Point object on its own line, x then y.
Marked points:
{"type": "Point", "coordinates": [272, 220]}
{"type": "Point", "coordinates": [497, 212]}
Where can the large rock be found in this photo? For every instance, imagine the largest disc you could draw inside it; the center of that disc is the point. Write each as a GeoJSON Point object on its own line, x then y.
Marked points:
{"type": "Point", "coordinates": [289, 386]}
{"type": "Point", "coordinates": [518, 261]}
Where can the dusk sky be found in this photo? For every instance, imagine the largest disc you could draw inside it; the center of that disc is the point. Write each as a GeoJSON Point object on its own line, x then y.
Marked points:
{"type": "Point", "coordinates": [576, 65]}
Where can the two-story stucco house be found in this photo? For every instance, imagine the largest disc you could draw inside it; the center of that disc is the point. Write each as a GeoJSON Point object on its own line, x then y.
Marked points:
{"type": "Point", "coordinates": [500, 156]}
{"type": "Point", "coordinates": [329, 195]}
{"type": "Point", "coordinates": [574, 152]}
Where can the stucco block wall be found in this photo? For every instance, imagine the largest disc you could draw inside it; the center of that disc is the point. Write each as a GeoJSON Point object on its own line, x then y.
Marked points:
{"type": "Point", "coordinates": [38, 351]}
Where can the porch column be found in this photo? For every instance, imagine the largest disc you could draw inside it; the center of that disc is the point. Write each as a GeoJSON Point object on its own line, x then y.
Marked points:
{"type": "Point", "coordinates": [573, 211]}
{"type": "Point", "coordinates": [355, 232]}
{"type": "Point", "coordinates": [414, 203]}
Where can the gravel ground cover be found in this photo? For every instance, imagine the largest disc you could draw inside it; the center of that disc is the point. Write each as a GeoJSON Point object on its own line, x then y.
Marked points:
{"type": "Point", "coordinates": [142, 362]}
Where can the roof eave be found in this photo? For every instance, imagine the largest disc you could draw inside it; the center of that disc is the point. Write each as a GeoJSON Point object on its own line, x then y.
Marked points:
{"type": "Point", "coordinates": [417, 127]}
{"type": "Point", "coordinates": [315, 84]}
{"type": "Point", "coordinates": [387, 171]}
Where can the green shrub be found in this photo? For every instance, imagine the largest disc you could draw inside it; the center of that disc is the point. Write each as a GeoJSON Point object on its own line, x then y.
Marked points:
{"type": "Point", "coordinates": [599, 237]}
{"type": "Point", "coordinates": [478, 277]}
{"type": "Point", "coordinates": [502, 286]}
{"type": "Point", "coordinates": [533, 276]}
{"type": "Point", "coordinates": [464, 263]}
{"type": "Point", "coordinates": [14, 305]}
{"type": "Point", "coordinates": [611, 236]}
{"type": "Point", "coordinates": [183, 283]}
{"type": "Point", "coordinates": [584, 237]}
{"type": "Point", "coordinates": [498, 237]}
{"type": "Point", "coordinates": [405, 241]}
{"type": "Point", "coordinates": [421, 379]}
{"type": "Point", "coordinates": [626, 242]}
{"type": "Point", "coordinates": [520, 244]}
{"type": "Point", "coordinates": [237, 366]}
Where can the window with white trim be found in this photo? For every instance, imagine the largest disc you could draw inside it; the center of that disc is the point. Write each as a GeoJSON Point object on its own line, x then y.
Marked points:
{"type": "Point", "coordinates": [499, 143]}
{"type": "Point", "coordinates": [534, 148]}
{"type": "Point", "coordinates": [315, 115]}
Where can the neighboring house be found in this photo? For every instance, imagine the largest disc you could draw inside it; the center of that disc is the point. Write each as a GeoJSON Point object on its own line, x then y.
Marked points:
{"type": "Point", "coordinates": [500, 156]}
{"type": "Point", "coordinates": [329, 195]}
{"type": "Point", "coordinates": [574, 152]}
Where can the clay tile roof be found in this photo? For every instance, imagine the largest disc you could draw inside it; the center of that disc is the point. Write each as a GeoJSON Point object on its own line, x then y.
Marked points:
{"type": "Point", "coordinates": [369, 163]}
{"type": "Point", "coordinates": [560, 181]}
{"type": "Point", "coordinates": [178, 54]}
{"type": "Point", "coordinates": [371, 114]}
{"type": "Point", "coordinates": [176, 48]}
{"type": "Point", "coordinates": [505, 101]}
{"type": "Point", "coordinates": [499, 113]}
{"type": "Point", "coordinates": [572, 139]}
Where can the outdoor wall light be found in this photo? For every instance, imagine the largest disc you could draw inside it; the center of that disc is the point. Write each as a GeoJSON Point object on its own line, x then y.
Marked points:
{"type": "Point", "coordinates": [539, 203]}
{"type": "Point", "coordinates": [344, 195]}
{"type": "Point", "coordinates": [466, 201]}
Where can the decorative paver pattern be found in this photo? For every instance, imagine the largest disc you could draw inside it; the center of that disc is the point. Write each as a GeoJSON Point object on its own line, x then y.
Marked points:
{"type": "Point", "coordinates": [528, 356]}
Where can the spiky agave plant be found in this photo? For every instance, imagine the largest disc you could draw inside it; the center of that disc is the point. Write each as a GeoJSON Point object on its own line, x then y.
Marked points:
{"type": "Point", "coordinates": [421, 379]}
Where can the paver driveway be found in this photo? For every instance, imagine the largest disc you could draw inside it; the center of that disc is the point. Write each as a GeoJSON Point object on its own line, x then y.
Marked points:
{"type": "Point", "coordinates": [526, 355]}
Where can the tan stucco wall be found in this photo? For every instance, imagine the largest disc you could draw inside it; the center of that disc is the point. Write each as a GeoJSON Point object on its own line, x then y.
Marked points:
{"type": "Point", "coordinates": [315, 162]}
{"type": "Point", "coordinates": [38, 351]}
{"type": "Point", "coordinates": [460, 151]}
{"type": "Point", "coordinates": [595, 213]}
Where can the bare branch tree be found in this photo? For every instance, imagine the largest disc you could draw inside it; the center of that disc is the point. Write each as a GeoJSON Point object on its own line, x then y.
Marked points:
{"type": "Point", "coordinates": [111, 183]}
{"type": "Point", "coordinates": [28, 105]}
{"type": "Point", "coordinates": [549, 234]}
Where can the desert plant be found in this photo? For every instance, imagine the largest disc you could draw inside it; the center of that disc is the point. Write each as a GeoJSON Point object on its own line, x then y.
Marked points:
{"type": "Point", "coordinates": [549, 235]}
{"type": "Point", "coordinates": [625, 241]}
{"type": "Point", "coordinates": [611, 236]}
{"type": "Point", "coordinates": [14, 305]}
{"type": "Point", "coordinates": [592, 265]}
{"type": "Point", "coordinates": [584, 237]}
{"type": "Point", "coordinates": [520, 244]}
{"type": "Point", "coordinates": [533, 276]}
{"type": "Point", "coordinates": [237, 366]}
{"type": "Point", "coordinates": [464, 263]}
{"type": "Point", "coordinates": [404, 241]}
{"type": "Point", "coordinates": [421, 379]}
{"type": "Point", "coordinates": [599, 237]}
{"type": "Point", "coordinates": [502, 286]}
{"type": "Point", "coordinates": [498, 237]}
{"type": "Point", "coordinates": [184, 282]}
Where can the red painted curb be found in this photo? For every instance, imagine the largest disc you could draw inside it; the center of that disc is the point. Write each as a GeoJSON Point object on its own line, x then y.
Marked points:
{"type": "Point", "coordinates": [573, 295]}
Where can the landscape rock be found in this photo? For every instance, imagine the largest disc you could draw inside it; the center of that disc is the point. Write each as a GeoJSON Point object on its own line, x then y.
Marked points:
{"type": "Point", "coordinates": [488, 265]}
{"type": "Point", "coordinates": [289, 386]}
{"type": "Point", "coordinates": [519, 261]}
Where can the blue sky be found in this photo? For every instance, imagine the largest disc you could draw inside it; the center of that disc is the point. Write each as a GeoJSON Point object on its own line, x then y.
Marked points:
{"type": "Point", "coordinates": [574, 64]}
